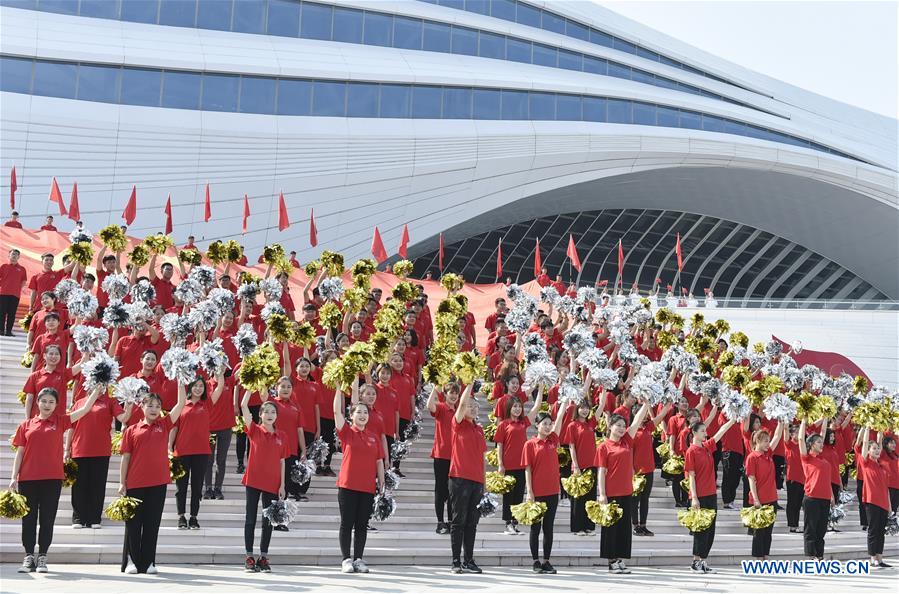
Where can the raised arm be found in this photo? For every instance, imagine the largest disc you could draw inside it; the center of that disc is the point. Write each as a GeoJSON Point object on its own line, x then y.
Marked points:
{"type": "Point", "coordinates": [432, 400]}
{"type": "Point", "coordinates": [538, 402]}
{"type": "Point", "coordinates": [86, 407]}
{"type": "Point", "coordinates": [179, 406]}
{"type": "Point", "coordinates": [866, 443]}
{"type": "Point", "coordinates": [638, 420]}
{"type": "Point", "coordinates": [463, 402]}
{"type": "Point", "coordinates": [245, 408]}
{"type": "Point", "coordinates": [722, 430]}
{"type": "Point", "coordinates": [803, 450]}
{"type": "Point", "coordinates": [339, 419]}
{"type": "Point", "coordinates": [664, 411]}
{"type": "Point", "coordinates": [557, 424]}
{"type": "Point", "coordinates": [778, 435]}
{"type": "Point", "coordinates": [219, 386]}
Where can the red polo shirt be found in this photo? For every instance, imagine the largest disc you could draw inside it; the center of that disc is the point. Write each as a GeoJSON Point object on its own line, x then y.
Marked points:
{"type": "Point", "coordinates": [542, 457]}
{"type": "Point", "coordinates": [469, 445]}
{"type": "Point", "coordinates": [583, 435]}
{"type": "Point", "coordinates": [42, 440]}
{"type": "Point", "coordinates": [699, 459]}
{"type": "Point", "coordinates": [38, 324]}
{"type": "Point", "coordinates": [12, 276]}
{"type": "Point", "coordinates": [874, 474]}
{"type": "Point", "coordinates": [794, 464]}
{"type": "Point", "coordinates": [443, 429]}
{"type": "Point", "coordinates": [193, 429]}
{"type": "Point", "coordinates": [165, 292]}
{"type": "Point", "coordinates": [91, 437]}
{"type": "Point", "coordinates": [263, 463]}
{"type": "Point", "coordinates": [148, 444]}
{"type": "Point", "coordinates": [404, 388]}
{"type": "Point", "coordinates": [289, 420]}
{"type": "Point", "coordinates": [513, 435]}
{"type": "Point", "coordinates": [617, 457]}
{"type": "Point", "coordinates": [305, 396]}
{"type": "Point", "coordinates": [761, 466]}
{"type": "Point", "coordinates": [44, 281]}
{"type": "Point", "coordinates": [129, 349]}
{"type": "Point", "coordinates": [361, 451]}
{"type": "Point", "coordinates": [58, 379]}
{"type": "Point", "coordinates": [388, 406]}
{"type": "Point", "coordinates": [817, 477]}
{"type": "Point", "coordinates": [644, 461]}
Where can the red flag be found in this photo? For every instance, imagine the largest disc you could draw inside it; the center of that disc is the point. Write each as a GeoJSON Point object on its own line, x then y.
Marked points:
{"type": "Point", "coordinates": [283, 221]}
{"type": "Point", "coordinates": [208, 214]}
{"type": "Point", "coordinates": [499, 258]}
{"type": "Point", "coordinates": [403, 250]}
{"type": "Point", "coordinates": [56, 196]}
{"type": "Point", "coordinates": [440, 254]}
{"type": "Point", "coordinates": [13, 186]}
{"type": "Point", "coordinates": [313, 232]}
{"type": "Point", "coordinates": [74, 210]}
{"type": "Point", "coordinates": [680, 256]}
{"type": "Point", "coordinates": [168, 215]}
{"type": "Point", "coordinates": [538, 261]}
{"type": "Point", "coordinates": [572, 253]}
{"type": "Point", "coordinates": [246, 212]}
{"type": "Point", "coordinates": [131, 208]}
{"type": "Point", "coordinates": [377, 247]}
{"type": "Point", "coordinates": [620, 264]}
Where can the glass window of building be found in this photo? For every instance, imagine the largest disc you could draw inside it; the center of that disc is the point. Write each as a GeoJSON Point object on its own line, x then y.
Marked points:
{"type": "Point", "coordinates": [283, 18]}
{"type": "Point", "coordinates": [315, 21]}
{"type": "Point", "coordinates": [407, 33]}
{"type": "Point", "coordinates": [294, 97]}
{"type": "Point", "coordinates": [141, 86]}
{"type": "Point", "coordinates": [249, 16]}
{"type": "Point", "coordinates": [378, 29]}
{"type": "Point", "coordinates": [140, 11]}
{"type": "Point", "coordinates": [362, 100]}
{"type": "Point", "coordinates": [395, 101]}
{"type": "Point", "coordinates": [347, 25]}
{"type": "Point", "coordinates": [220, 92]}
{"type": "Point", "coordinates": [212, 14]}
{"type": "Point", "coordinates": [99, 83]}
{"type": "Point", "coordinates": [328, 98]}
{"type": "Point", "coordinates": [427, 102]}
{"type": "Point", "coordinates": [181, 90]}
{"type": "Point", "coordinates": [178, 13]}
{"type": "Point", "coordinates": [257, 94]}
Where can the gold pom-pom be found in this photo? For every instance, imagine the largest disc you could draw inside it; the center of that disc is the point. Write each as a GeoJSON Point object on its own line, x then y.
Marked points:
{"type": "Point", "coordinates": [739, 338]}
{"type": "Point", "coordinates": [468, 367]}
{"type": "Point", "coordinates": [487, 388]}
{"type": "Point", "coordinates": [329, 315]}
{"type": "Point", "coordinates": [756, 392]}
{"type": "Point", "coordinates": [122, 509]}
{"type": "Point", "coordinates": [280, 328]}
{"type": "Point", "coordinates": [697, 321]}
{"type": "Point", "coordinates": [452, 282]}
{"type": "Point", "coordinates": [735, 376]}
{"type": "Point", "coordinates": [113, 237]}
{"type": "Point", "coordinates": [332, 262]}
{"type": "Point", "coordinates": [498, 483]}
{"type": "Point", "coordinates": [27, 359]}
{"type": "Point", "coordinates": [365, 267]}
{"type": "Point", "coordinates": [696, 520]}
{"type": "Point", "coordinates": [404, 292]}
{"type": "Point", "coordinates": [827, 406]}
{"type": "Point", "coordinates": [139, 255]}
{"type": "Point", "coordinates": [492, 457]}
{"type": "Point", "coordinates": [117, 443]}
{"type": "Point", "coordinates": [724, 359]}
{"type": "Point", "coordinates": [674, 464]}
{"type": "Point", "coordinates": [860, 385]}
{"type": "Point", "coordinates": [159, 243]}
{"type": "Point", "coordinates": [283, 266]}
{"type": "Point", "coordinates": [312, 268]}
{"type": "Point", "coordinates": [562, 452]}
{"type": "Point", "coordinates": [758, 517]}
{"type": "Point", "coordinates": [699, 345]}
{"type": "Point", "coordinates": [355, 297]}
{"type": "Point", "coordinates": [721, 327]}
{"type": "Point", "coordinates": [706, 365]}
{"type": "Point", "coordinates": [759, 348]}
{"type": "Point", "coordinates": [272, 253]}
{"type": "Point", "coordinates": [25, 322]}
{"type": "Point", "coordinates": [341, 373]}
{"type": "Point", "coordinates": [303, 334]}
{"type": "Point", "coordinates": [13, 506]}
{"type": "Point", "coordinates": [217, 252]}
{"type": "Point", "coordinates": [190, 257]}
{"type": "Point", "coordinates": [663, 315]}
{"type": "Point", "coordinates": [70, 468]}
{"type": "Point", "coordinates": [685, 484]}
{"type": "Point", "coordinates": [240, 425]}
{"type": "Point", "coordinates": [235, 251]}
{"type": "Point", "coordinates": [176, 468]}
{"type": "Point", "coordinates": [403, 268]}
{"type": "Point", "coordinates": [875, 415]}
{"type": "Point", "coordinates": [528, 512]}
{"type": "Point", "coordinates": [82, 253]}
{"type": "Point", "coordinates": [260, 369]}
{"type": "Point", "coordinates": [638, 482]}
{"type": "Point", "coordinates": [578, 485]}
{"type": "Point", "coordinates": [21, 397]}
{"type": "Point", "coordinates": [666, 340]}
{"type": "Point", "coordinates": [808, 407]}
{"type": "Point", "coordinates": [604, 514]}
{"type": "Point", "coordinates": [490, 431]}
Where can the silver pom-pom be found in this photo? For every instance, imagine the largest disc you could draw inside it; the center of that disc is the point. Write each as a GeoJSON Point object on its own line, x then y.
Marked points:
{"type": "Point", "coordinates": [779, 407]}
{"type": "Point", "coordinates": [391, 480]}
{"type": "Point", "coordinates": [116, 286]}
{"type": "Point", "coordinates": [317, 451]}
{"type": "Point", "coordinates": [541, 371]}
{"type": "Point", "coordinates": [115, 315]}
{"type": "Point", "coordinates": [271, 289]}
{"type": "Point", "coordinates": [567, 305]}
{"type": "Point", "coordinates": [571, 389]}
{"type": "Point", "coordinates": [619, 333]}
{"type": "Point", "coordinates": [518, 320]}
{"type": "Point", "coordinates": [189, 291]}
{"type": "Point", "coordinates": [594, 360]}
{"type": "Point", "coordinates": [696, 381]}
{"type": "Point", "coordinates": [204, 316]}
{"type": "Point", "coordinates": [80, 235]}
{"type": "Point", "coordinates": [627, 353]}
{"type": "Point", "coordinates": [845, 497]}
{"type": "Point", "coordinates": [578, 339]}
{"type": "Point", "coordinates": [678, 358]}
{"type": "Point", "coordinates": [175, 328]}
{"type": "Point", "coordinates": [837, 513]}
{"type": "Point", "coordinates": [796, 348]}
{"type": "Point", "coordinates": [757, 360]}
{"type": "Point", "coordinates": [773, 348]}
{"type": "Point", "coordinates": [139, 313]}
{"type": "Point", "coordinates": [488, 505]}
{"type": "Point", "coordinates": [248, 291]}
{"type": "Point", "coordinates": [180, 364]}
{"type": "Point", "coordinates": [712, 389]}
{"type": "Point", "coordinates": [514, 292]}
{"type": "Point", "coordinates": [223, 299]}
{"type": "Point", "coordinates": [607, 378]}
{"type": "Point", "coordinates": [549, 295]}
{"type": "Point", "coordinates": [89, 340]}
{"type": "Point", "coordinates": [245, 339]}
{"type": "Point", "coordinates": [203, 276]}
{"type": "Point", "coordinates": [739, 352]}
{"type": "Point", "coordinates": [586, 295]}
{"type": "Point", "coordinates": [143, 290]}
{"type": "Point", "coordinates": [892, 527]}
{"type": "Point", "coordinates": [399, 450]}
{"type": "Point", "coordinates": [302, 471]}
{"type": "Point", "coordinates": [82, 304]}
{"type": "Point", "coordinates": [384, 507]}
{"type": "Point", "coordinates": [64, 288]}
{"type": "Point", "coordinates": [101, 370]}
{"type": "Point", "coordinates": [734, 405]}
{"type": "Point", "coordinates": [281, 512]}
{"type": "Point", "coordinates": [212, 356]}
{"type": "Point", "coordinates": [272, 307]}
{"type": "Point", "coordinates": [130, 390]}
{"type": "Point", "coordinates": [331, 288]}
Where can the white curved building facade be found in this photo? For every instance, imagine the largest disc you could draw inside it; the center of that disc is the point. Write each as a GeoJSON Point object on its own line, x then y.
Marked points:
{"type": "Point", "coordinates": [494, 121]}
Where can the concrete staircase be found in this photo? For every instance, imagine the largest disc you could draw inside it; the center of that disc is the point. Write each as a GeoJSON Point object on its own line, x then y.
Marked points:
{"type": "Point", "coordinates": [408, 538]}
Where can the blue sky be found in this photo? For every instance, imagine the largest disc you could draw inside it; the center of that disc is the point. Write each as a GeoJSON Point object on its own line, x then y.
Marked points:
{"type": "Point", "coordinates": [843, 50]}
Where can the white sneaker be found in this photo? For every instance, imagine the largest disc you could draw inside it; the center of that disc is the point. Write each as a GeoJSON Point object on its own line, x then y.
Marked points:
{"type": "Point", "coordinates": [42, 564]}
{"type": "Point", "coordinates": [509, 529]}
{"type": "Point", "coordinates": [359, 566]}
{"type": "Point", "coordinates": [131, 569]}
{"type": "Point", "coordinates": [96, 526]}
{"type": "Point", "coordinates": [152, 569]}
{"type": "Point", "coordinates": [705, 567]}
{"type": "Point", "coordinates": [347, 566]}
{"type": "Point", "coordinates": [77, 526]}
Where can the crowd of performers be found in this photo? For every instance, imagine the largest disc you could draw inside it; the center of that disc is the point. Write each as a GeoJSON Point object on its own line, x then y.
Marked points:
{"type": "Point", "coordinates": [125, 358]}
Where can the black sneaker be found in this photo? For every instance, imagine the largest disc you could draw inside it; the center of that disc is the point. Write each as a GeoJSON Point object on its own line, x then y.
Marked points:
{"type": "Point", "coordinates": [217, 494]}
{"type": "Point", "coordinates": [399, 473]}
{"type": "Point", "coordinates": [548, 568]}
{"type": "Point", "coordinates": [207, 494]}
{"type": "Point", "coordinates": [240, 468]}
{"type": "Point", "coordinates": [193, 524]}
{"type": "Point", "coordinates": [249, 565]}
{"type": "Point", "coordinates": [538, 567]}
{"type": "Point", "coordinates": [262, 565]}
{"type": "Point", "coordinates": [457, 567]}
{"type": "Point", "coordinates": [696, 567]}
{"type": "Point", "coordinates": [439, 528]}
{"type": "Point", "coordinates": [301, 497]}
{"type": "Point", "coordinates": [471, 567]}
{"type": "Point", "coordinates": [638, 531]}
{"type": "Point", "coordinates": [328, 472]}
{"type": "Point", "coordinates": [884, 565]}
{"type": "Point", "coordinates": [446, 528]}
{"type": "Point", "coordinates": [281, 528]}
{"type": "Point", "coordinates": [182, 523]}
{"type": "Point", "coordinates": [372, 528]}
{"type": "Point", "coordinates": [647, 531]}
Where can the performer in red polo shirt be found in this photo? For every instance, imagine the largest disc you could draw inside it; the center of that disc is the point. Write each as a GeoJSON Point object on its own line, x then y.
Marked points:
{"type": "Point", "coordinates": [818, 493]}
{"type": "Point", "coordinates": [37, 471]}
{"type": "Point", "coordinates": [442, 450]}
{"type": "Point", "coordinates": [48, 224]}
{"type": "Point", "coordinates": [466, 484]}
{"type": "Point", "coordinates": [761, 473]}
{"type": "Point", "coordinates": [12, 280]}
{"type": "Point", "coordinates": [47, 279]}
{"type": "Point", "coordinates": [290, 421]}
{"type": "Point", "coordinates": [580, 435]}
{"type": "Point", "coordinates": [541, 459]}
{"type": "Point", "coordinates": [795, 479]}
{"type": "Point", "coordinates": [144, 474]}
{"type": "Point", "coordinates": [264, 476]}
{"type": "Point", "coordinates": [645, 464]}
{"type": "Point", "coordinates": [361, 476]}
{"type": "Point", "coordinates": [52, 374]}
{"type": "Point", "coordinates": [875, 494]}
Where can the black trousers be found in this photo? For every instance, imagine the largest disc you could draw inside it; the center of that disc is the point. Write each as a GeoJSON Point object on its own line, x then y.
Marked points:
{"type": "Point", "coordinates": [615, 541]}
{"type": "Point", "coordinates": [142, 531]}
{"type": "Point", "coordinates": [816, 513]}
{"type": "Point", "coordinates": [194, 472]}
{"type": "Point", "coordinates": [355, 511]}
{"type": "Point", "coordinates": [641, 502]}
{"type": "Point", "coordinates": [330, 438]}
{"type": "Point", "coordinates": [242, 437]}
{"type": "Point", "coordinates": [732, 465]}
{"type": "Point", "coordinates": [8, 306]}
{"type": "Point", "coordinates": [43, 501]}
{"type": "Point", "coordinates": [441, 489]}
{"type": "Point", "coordinates": [465, 496]}
{"type": "Point", "coordinates": [894, 499]}
{"type": "Point", "coordinates": [877, 521]}
{"type": "Point", "coordinates": [249, 522]}
{"type": "Point", "coordinates": [290, 486]}
{"type": "Point", "coordinates": [89, 490]}
{"type": "Point", "coordinates": [401, 436]}
{"type": "Point", "coordinates": [795, 495]}
{"type": "Point", "coordinates": [680, 496]}
{"type": "Point", "coordinates": [515, 495]}
{"type": "Point", "coordinates": [219, 457]}
{"type": "Point", "coordinates": [579, 520]}
{"type": "Point", "coordinates": [780, 468]}
{"type": "Point", "coordinates": [702, 541]}
{"type": "Point", "coordinates": [761, 537]}
{"type": "Point", "coordinates": [308, 437]}
{"type": "Point", "coordinates": [545, 524]}
{"type": "Point", "coordinates": [862, 508]}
